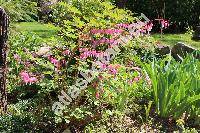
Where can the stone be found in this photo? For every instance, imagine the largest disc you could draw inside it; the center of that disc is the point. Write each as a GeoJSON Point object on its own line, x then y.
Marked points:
{"type": "Point", "coordinates": [67, 131]}
{"type": "Point", "coordinates": [43, 51]}
{"type": "Point", "coordinates": [196, 35]}
{"type": "Point", "coordinates": [162, 50]}
{"type": "Point", "coordinates": [180, 50]}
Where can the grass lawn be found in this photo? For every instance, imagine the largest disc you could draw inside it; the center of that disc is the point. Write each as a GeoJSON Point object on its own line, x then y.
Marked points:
{"type": "Point", "coordinates": [172, 39]}
{"type": "Point", "coordinates": [48, 30]}
{"type": "Point", "coordinates": [43, 30]}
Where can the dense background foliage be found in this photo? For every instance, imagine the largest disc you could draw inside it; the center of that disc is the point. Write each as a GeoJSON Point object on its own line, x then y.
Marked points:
{"type": "Point", "coordinates": [181, 13]}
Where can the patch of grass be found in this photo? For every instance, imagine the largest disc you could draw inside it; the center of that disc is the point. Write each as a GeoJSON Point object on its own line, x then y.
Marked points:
{"type": "Point", "coordinates": [46, 31]}
{"type": "Point", "coordinates": [43, 30]}
{"type": "Point", "coordinates": [172, 39]}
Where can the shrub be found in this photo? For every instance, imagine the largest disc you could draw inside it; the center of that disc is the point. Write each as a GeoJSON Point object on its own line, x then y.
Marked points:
{"type": "Point", "coordinates": [20, 10]}
{"type": "Point", "coordinates": [77, 15]}
{"type": "Point", "coordinates": [40, 70]}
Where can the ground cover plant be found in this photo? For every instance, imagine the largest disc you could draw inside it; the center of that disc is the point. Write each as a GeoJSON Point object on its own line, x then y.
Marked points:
{"type": "Point", "coordinates": [130, 91]}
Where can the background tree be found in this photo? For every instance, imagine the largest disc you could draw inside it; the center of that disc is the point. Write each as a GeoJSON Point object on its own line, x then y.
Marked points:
{"type": "Point", "coordinates": [3, 38]}
{"type": "Point", "coordinates": [181, 13]}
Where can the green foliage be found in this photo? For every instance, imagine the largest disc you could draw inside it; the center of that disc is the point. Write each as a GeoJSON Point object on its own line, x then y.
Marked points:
{"type": "Point", "coordinates": [148, 109]}
{"type": "Point", "coordinates": [119, 97]}
{"type": "Point", "coordinates": [112, 121]}
{"type": "Point", "coordinates": [20, 10]}
{"type": "Point", "coordinates": [27, 116]}
{"type": "Point", "coordinates": [175, 86]}
{"type": "Point", "coordinates": [73, 17]}
{"type": "Point", "coordinates": [181, 13]}
{"type": "Point", "coordinates": [29, 104]}
{"type": "Point", "coordinates": [121, 90]}
{"type": "Point", "coordinates": [25, 46]}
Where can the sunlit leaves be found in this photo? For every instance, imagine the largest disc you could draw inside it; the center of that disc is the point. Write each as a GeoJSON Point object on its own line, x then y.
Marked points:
{"type": "Point", "coordinates": [175, 86]}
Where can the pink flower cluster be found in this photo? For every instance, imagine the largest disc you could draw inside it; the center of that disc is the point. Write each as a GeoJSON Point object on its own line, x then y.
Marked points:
{"type": "Point", "coordinates": [90, 53]}
{"type": "Point", "coordinates": [83, 49]}
{"type": "Point", "coordinates": [112, 68]}
{"type": "Point", "coordinates": [106, 31]}
{"type": "Point", "coordinates": [26, 77]}
{"type": "Point", "coordinates": [17, 57]}
{"type": "Point", "coordinates": [139, 27]}
{"type": "Point", "coordinates": [148, 26]}
{"type": "Point", "coordinates": [135, 79]}
{"type": "Point", "coordinates": [97, 95]}
{"type": "Point", "coordinates": [136, 29]}
{"type": "Point", "coordinates": [98, 92]}
{"type": "Point", "coordinates": [105, 40]}
{"type": "Point", "coordinates": [57, 63]}
{"type": "Point", "coordinates": [66, 52]}
{"type": "Point", "coordinates": [122, 25]}
{"type": "Point", "coordinates": [164, 23]}
{"type": "Point", "coordinates": [53, 61]}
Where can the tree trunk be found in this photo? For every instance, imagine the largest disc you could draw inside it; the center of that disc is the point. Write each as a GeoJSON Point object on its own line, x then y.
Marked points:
{"type": "Point", "coordinates": [3, 47]}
